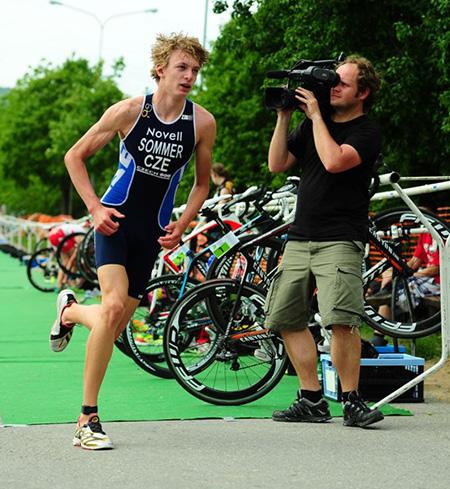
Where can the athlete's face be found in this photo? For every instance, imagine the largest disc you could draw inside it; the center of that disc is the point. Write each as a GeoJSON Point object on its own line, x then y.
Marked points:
{"type": "Point", "coordinates": [180, 73]}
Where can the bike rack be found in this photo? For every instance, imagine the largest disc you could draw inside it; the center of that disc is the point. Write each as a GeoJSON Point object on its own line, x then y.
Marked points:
{"type": "Point", "coordinates": [444, 256]}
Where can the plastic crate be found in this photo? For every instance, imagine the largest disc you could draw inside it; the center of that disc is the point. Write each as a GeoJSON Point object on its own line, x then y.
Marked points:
{"type": "Point", "coordinates": [390, 349]}
{"type": "Point", "coordinates": [379, 377]}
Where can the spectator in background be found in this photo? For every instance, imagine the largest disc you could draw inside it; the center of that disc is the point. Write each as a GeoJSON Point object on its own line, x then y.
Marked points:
{"type": "Point", "coordinates": [221, 179]}
{"type": "Point", "coordinates": [424, 282]}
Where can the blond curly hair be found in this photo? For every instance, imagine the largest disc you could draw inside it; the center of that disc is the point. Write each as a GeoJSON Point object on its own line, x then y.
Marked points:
{"type": "Point", "coordinates": [166, 45]}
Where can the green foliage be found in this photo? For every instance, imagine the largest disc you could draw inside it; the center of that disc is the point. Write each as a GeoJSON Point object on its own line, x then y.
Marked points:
{"type": "Point", "coordinates": [409, 43]}
{"type": "Point", "coordinates": [41, 118]}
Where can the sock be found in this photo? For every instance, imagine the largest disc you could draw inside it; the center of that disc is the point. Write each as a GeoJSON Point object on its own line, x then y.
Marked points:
{"type": "Point", "coordinates": [313, 396]}
{"type": "Point", "coordinates": [346, 395]}
{"type": "Point", "coordinates": [89, 410]}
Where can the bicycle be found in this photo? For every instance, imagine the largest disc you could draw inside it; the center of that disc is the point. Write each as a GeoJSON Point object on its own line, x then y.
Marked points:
{"type": "Point", "coordinates": [149, 320]}
{"type": "Point", "coordinates": [232, 311]}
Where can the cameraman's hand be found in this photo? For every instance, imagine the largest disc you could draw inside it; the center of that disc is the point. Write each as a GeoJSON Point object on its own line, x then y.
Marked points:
{"type": "Point", "coordinates": [286, 112]}
{"type": "Point", "coordinates": [308, 103]}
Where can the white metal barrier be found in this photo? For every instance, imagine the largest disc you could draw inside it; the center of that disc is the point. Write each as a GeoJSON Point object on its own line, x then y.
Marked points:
{"type": "Point", "coordinates": [23, 234]}
{"type": "Point", "coordinates": [444, 254]}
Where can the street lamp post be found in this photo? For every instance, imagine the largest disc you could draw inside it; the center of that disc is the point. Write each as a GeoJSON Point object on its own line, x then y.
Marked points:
{"type": "Point", "coordinates": [205, 24]}
{"type": "Point", "coordinates": [101, 23]}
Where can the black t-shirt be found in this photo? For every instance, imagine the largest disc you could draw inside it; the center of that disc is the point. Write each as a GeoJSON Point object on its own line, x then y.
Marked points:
{"type": "Point", "coordinates": [334, 206]}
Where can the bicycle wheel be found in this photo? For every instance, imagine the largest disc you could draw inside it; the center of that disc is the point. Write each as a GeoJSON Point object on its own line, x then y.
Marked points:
{"type": "Point", "coordinates": [40, 244]}
{"type": "Point", "coordinates": [143, 337]}
{"type": "Point", "coordinates": [72, 272]}
{"type": "Point", "coordinates": [401, 227]}
{"type": "Point", "coordinates": [86, 258]}
{"type": "Point", "coordinates": [42, 270]}
{"type": "Point", "coordinates": [266, 256]}
{"type": "Point", "coordinates": [122, 345]}
{"type": "Point", "coordinates": [235, 366]}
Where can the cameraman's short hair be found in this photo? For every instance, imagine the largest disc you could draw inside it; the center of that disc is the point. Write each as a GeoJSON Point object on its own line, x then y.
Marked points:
{"type": "Point", "coordinates": [166, 45]}
{"type": "Point", "coordinates": [368, 78]}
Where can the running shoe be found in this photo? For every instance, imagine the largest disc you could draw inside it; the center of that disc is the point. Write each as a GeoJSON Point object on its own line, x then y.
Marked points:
{"type": "Point", "coordinates": [357, 413]}
{"type": "Point", "coordinates": [304, 411]}
{"type": "Point", "coordinates": [91, 436]}
{"type": "Point", "coordinates": [60, 334]}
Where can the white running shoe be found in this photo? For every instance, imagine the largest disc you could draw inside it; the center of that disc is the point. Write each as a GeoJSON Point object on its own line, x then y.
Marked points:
{"type": "Point", "coordinates": [60, 334]}
{"type": "Point", "coordinates": [91, 436]}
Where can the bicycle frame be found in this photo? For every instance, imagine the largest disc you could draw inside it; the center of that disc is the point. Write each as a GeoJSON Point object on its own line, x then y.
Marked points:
{"type": "Point", "coordinates": [391, 259]}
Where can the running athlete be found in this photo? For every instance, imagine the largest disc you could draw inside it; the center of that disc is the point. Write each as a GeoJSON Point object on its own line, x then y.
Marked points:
{"type": "Point", "coordinates": [158, 135]}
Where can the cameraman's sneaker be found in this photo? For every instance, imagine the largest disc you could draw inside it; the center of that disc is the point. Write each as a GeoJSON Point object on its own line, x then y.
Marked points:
{"type": "Point", "coordinates": [304, 411]}
{"type": "Point", "coordinates": [357, 413]}
{"type": "Point", "coordinates": [60, 333]}
{"type": "Point", "coordinates": [91, 436]}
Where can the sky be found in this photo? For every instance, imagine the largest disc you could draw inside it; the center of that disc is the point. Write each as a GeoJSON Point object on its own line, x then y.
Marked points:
{"type": "Point", "coordinates": [33, 30]}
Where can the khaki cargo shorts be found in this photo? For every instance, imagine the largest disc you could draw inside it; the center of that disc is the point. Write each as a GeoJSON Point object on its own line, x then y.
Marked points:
{"type": "Point", "coordinates": [335, 267]}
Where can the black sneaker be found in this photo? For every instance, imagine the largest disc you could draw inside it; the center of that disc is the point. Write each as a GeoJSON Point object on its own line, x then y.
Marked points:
{"type": "Point", "coordinates": [358, 413]}
{"type": "Point", "coordinates": [304, 411]}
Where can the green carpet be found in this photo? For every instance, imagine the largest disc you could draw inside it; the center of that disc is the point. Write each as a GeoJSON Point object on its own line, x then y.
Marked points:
{"type": "Point", "coordinates": [38, 386]}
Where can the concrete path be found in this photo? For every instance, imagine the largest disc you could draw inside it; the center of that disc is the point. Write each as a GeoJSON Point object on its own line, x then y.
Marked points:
{"type": "Point", "coordinates": [400, 452]}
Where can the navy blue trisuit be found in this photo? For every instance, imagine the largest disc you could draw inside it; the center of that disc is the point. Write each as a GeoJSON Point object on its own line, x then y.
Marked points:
{"type": "Point", "coordinates": [152, 159]}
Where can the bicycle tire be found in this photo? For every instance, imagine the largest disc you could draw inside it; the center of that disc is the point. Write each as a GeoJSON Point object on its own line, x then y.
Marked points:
{"type": "Point", "coordinates": [405, 327]}
{"type": "Point", "coordinates": [149, 355]}
{"type": "Point", "coordinates": [267, 254]}
{"type": "Point", "coordinates": [40, 244]}
{"type": "Point", "coordinates": [86, 258]}
{"type": "Point", "coordinates": [42, 270]}
{"type": "Point", "coordinates": [59, 251]}
{"type": "Point", "coordinates": [227, 372]}
{"type": "Point", "coordinates": [122, 345]}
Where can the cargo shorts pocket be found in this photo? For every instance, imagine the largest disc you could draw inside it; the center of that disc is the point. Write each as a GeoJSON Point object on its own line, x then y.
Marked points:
{"type": "Point", "coordinates": [272, 292]}
{"type": "Point", "coordinates": [348, 290]}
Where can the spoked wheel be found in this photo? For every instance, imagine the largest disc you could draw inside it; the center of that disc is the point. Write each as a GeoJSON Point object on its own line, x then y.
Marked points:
{"type": "Point", "coordinates": [143, 337]}
{"type": "Point", "coordinates": [240, 361]}
{"type": "Point", "coordinates": [42, 270]}
{"type": "Point", "coordinates": [402, 228]}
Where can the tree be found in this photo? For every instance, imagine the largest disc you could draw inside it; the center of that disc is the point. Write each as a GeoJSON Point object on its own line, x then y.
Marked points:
{"type": "Point", "coordinates": [48, 110]}
{"type": "Point", "coordinates": [407, 41]}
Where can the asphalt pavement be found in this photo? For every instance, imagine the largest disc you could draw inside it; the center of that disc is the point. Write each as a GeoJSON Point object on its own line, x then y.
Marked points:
{"type": "Point", "coordinates": [401, 452]}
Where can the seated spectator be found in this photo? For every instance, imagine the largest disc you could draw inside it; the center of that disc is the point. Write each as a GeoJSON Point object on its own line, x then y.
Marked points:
{"type": "Point", "coordinates": [424, 282]}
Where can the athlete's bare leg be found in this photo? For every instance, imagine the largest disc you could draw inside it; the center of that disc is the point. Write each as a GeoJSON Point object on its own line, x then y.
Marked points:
{"type": "Point", "coordinates": [106, 322]}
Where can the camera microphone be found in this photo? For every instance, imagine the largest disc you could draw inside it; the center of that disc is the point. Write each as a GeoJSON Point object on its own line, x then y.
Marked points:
{"type": "Point", "coordinates": [277, 74]}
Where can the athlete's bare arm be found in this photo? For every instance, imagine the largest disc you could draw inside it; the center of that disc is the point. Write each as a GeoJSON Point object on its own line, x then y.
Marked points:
{"type": "Point", "coordinates": [119, 118]}
{"type": "Point", "coordinates": [206, 136]}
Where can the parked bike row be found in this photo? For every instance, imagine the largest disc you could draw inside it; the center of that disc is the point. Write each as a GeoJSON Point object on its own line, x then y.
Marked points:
{"type": "Point", "coordinates": [202, 318]}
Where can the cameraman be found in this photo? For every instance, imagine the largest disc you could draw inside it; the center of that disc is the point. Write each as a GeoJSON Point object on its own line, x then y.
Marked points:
{"type": "Point", "coordinates": [326, 241]}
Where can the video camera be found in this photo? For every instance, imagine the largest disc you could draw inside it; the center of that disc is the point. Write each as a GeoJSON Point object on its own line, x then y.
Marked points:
{"type": "Point", "coordinates": [318, 76]}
